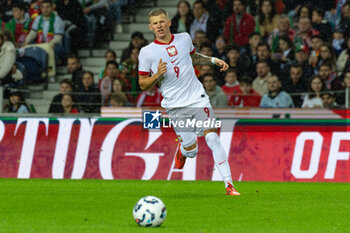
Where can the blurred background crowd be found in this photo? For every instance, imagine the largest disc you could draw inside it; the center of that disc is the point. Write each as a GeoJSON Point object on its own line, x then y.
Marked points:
{"type": "Point", "coordinates": [281, 53]}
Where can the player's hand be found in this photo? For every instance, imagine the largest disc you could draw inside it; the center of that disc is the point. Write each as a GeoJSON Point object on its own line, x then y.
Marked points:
{"type": "Point", "coordinates": [161, 68]}
{"type": "Point", "coordinates": [222, 64]}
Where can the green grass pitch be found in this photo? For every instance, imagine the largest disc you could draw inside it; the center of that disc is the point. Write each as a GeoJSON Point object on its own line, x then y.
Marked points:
{"type": "Point", "coordinates": [66, 206]}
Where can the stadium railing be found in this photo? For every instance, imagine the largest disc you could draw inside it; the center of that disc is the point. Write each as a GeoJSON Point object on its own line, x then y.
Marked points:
{"type": "Point", "coordinates": [1, 99]}
{"type": "Point", "coordinates": [26, 93]}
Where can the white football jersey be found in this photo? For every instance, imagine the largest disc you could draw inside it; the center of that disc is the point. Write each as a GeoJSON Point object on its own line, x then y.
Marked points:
{"type": "Point", "coordinates": [180, 86]}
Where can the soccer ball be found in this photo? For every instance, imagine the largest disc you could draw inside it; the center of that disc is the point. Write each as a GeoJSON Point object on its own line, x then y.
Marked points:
{"type": "Point", "coordinates": [149, 211]}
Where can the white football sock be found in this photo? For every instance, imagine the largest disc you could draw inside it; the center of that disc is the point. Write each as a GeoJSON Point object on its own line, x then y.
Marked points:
{"type": "Point", "coordinates": [219, 156]}
{"type": "Point", "coordinates": [189, 153]}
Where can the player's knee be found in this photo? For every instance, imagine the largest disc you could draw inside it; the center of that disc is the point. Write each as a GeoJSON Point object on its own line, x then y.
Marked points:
{"type": "Point", "coordinates": [192, 153]}
{"type": "Point", "coordinates": [212, 138]}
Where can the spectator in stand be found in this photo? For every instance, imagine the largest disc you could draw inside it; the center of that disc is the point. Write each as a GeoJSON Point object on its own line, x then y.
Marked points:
{"type": "Point", "coordinates": [333, 14]}
{"type": "Point", "coordinates": [76, 70]}
{"type": "Point", "coordinates": [202, 21]}
{"type": "Point", "coordinates": [17, 103]}
{"type": "Point", "coordinates": [205, 69]}
{"type": "Point", "coordinates": [234, 60]}
{"type": "Point", "coordinates": [276, 98]}
{"type": "Point", "coordinates": [110, 55]}
{"type": "Point", "coordinates": [327, 56]}
{"type": "Point", "coordinates": [301, 58]}
{"type": "Point", "coordinates": [75, 24]}
{"type": "Point", "coordinates": [20, 24]}
{"type": "Point", "coordinates": [89, 97]}
{"type": "Point", "coordinates": [303, 10]}
{"type": "Point", "coordinates": [68, 106]}
{"type": "Point", "coordinates": [214, 11]}
{"type": "Point", "coordinates": [244, 95]}
{"type": "Point", "coordinates": [6, 10]}
{"type": "Point", "coordinates": [117, 100]}
{"type": "Point", "coordinates": [251, 7]}
{"type": "Point", "coordinates": [260, 82]}
{"type": "Point", "coordinates": [340, 96]}
{"type": "Point", "coordinates": [96, 13]}
{"type": "Point", "coordinates": [285, 52]}
{"type": "Point", "coordinates": [206, 48]}
{"type": "Point", "coordinates": [115, 7]}
{"type": "Point", "coordinates": [239, 25]}
{"type": "Point", "coordinates": [231, 82]}
{"type": "Point", "coordinates": [183, 18]}
{"type": "Point", "coordinates": [217, 97]}
{"type": "Point", "coordinates": [199, 38]}
{"type": "Point", "coordinates": [330, 79]}
{"type": "Point", "coordinates": [8, 73]}
{"type": "Point", "coordinates": [328, 100]}
{"type": "Point", "coordinates": [2, 23]}
{"type": "Point", "coordinates": [345, 19]}
{"type": "Point", "coordinates": [119, 86]}
{"type": "Point", "coordinates": [48, 28]}
{"type": "Point", "coordinates": [90, 18]}
{"type": "Point", "coordinates": [267, 20]}
{"type": "Point", "coordinates": [249, 52]}
{"type": "Point", "coordinates": [137, 41]}
{"type": "Point", "coordinates": [321, 25]}
{"type": "Point", "coordinates": [338, 42]}
{"type": "Point", "coordinates": [326, 4]}
{"type": "Point", "coordinates": [34, 9]}
{"type": "Point", "coordinates": [313, 98]}
{"type": "Point", "coordinates": [264, 54]}
{"type": "Point", "coordinates": [283, 28]}
{"type": "Point", "coordinates": [220, 48]}
{"type": "Point", "coordinates": [316, 42]}
{"type": "Point", "coordinates": [232, 54]}
{"type": "Point", "coordinates": [149, 98]}
{"type": "Point", "coordinates": [295, 84]}
{"type": "Point", "coordinates": [106, 83]}
{"type": "Point", "coordinates": [343, 59]}
{"type": "Point", "coordinates": [130, 71]}
{"type": "Point", "coordinates": [66, 86]}
{"type": "Point", "coordinates": [304, 33]}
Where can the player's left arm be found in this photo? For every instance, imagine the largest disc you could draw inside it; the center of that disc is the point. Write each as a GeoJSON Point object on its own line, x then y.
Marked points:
{"type": "Point", "coordinates": [200, 59]}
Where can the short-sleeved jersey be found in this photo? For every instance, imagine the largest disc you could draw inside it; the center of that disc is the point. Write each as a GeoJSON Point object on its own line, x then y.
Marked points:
{"type": "Point", "coordinates": [180, 87]}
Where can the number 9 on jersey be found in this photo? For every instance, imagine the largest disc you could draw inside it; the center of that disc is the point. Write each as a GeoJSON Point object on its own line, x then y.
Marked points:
{"type": "Point", "coordinates": [177, 71]}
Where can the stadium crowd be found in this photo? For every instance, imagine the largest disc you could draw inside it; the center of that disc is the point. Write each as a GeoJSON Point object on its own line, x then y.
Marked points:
{"type": "Point", "coordinates": [281, 53]}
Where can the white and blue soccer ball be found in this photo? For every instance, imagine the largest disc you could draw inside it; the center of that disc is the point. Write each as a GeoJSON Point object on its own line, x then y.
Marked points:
{"type": "Point", "coordinates": [149, 211]}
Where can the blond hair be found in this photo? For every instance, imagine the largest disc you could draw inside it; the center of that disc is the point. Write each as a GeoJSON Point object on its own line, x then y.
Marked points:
{"type": "Point", "coordinates": [156, 12]}
{"type": "Point", "coordinates": [119, 97]}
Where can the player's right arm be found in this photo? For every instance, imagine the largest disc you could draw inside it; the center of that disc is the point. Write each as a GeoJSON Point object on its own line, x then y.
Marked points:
{"type": "Point", "coordinates": [147, 82]}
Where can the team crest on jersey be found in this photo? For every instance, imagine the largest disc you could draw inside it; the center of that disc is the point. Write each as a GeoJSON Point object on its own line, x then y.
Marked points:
{"type": "Point", "coordinates": [171, 51]}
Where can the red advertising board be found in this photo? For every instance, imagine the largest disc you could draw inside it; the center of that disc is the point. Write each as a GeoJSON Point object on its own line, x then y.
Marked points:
{"type": "Point", "coordinates": [99, 148]}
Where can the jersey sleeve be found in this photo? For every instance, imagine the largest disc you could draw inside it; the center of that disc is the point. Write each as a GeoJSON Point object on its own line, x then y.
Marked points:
{"type": "Point", "coordinates": [192, 48]}
{"type": "Point", "coordinates": [144, 63]}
